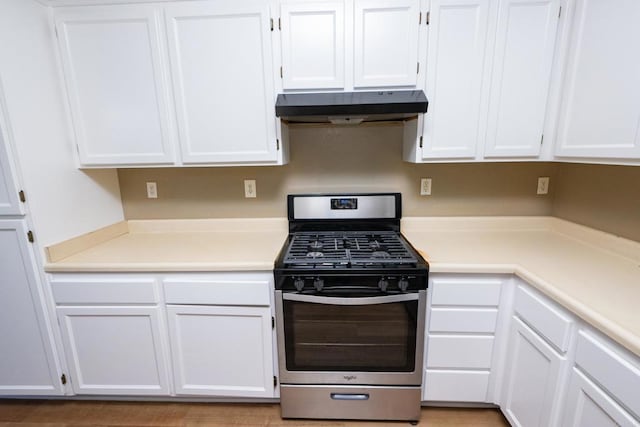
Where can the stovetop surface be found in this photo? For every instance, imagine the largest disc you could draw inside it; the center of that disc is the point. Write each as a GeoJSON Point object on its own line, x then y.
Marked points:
{"type": "Point", "coordinates": [348, 249]}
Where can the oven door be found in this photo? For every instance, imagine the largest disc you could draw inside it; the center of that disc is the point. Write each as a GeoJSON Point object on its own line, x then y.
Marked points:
{"type": "Point", "coordinates": [373, 340]}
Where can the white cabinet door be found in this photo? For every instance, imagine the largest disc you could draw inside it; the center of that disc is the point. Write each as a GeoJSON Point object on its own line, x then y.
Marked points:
{"type": "Point", "coordinates": [28, 364]}
{"type": "Point", "coordinates": [313, 44]}
{"type": "Point", "coordinates": [525, 43]}
{"type": "Point", "coordinates": [115, 349]}
{"type": "Point", "coordinates": [116, 84]}
{"type": "Point", "coordinates": [455, 64]}
{"type": "Point", "coordinates": [600, 113]}
{"type": "Point", "coordinates": [531, 380]}
{"type": "Point", "coordinates": [223, 80]}
{"type": "Point", "coordinates": [221, 351]}
{"type": "Point", "coordinates": [385, 43]}
{"type": "Point", "coordinates": [9, 203]}
{"type": "Point", "coordinates": [589, 406]}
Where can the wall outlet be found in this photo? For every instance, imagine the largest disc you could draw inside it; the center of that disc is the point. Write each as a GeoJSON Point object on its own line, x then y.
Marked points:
{"type": "Point", "coordinates": [250, 191]}
{"type": "Point", "coordinates": [152, 190]}
{"type": "Point", "coordinates": [543, 185]}
{"type": "Point", "coordinates": [425, 186]}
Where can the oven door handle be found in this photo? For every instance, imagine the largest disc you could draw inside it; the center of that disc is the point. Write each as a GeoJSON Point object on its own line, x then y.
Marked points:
{"type": "Point", "coordinates": [350, 301]}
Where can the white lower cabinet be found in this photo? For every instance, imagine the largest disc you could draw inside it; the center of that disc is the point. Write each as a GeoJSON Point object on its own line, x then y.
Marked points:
{"type": "Point", "coordinates": [589, 406]}
{"type": "Point", "coordinates": [537, 360]}
{"type": "Point", "coordinates": [604, 384]}
{"type": "Point", "coordinates": [113, 332]}
{"type": "Point", "coordinates": [496, 339]}
{"type": "Point", "coordinates": [532, 378]}
{"type": "Point", "coordinates": [221, 334]}
{"type": "Point", "coordinates": [132, 334]}
{"type": "Point", "coordinates": [462, 326]}
{"type": "Point", "coordinates": [28, 359]}
{"type": "Point", "coordinates": [115, 350]}
{"type": "Point", "coordinates": [221, 351]}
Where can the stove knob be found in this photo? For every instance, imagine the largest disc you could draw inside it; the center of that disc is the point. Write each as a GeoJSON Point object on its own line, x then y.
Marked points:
{"type": "Point", "coordinates": [299, 284]}
{"type": "Point", "coordinates": [403, 284]}
{"type": "Point", "coordinates": [318, 284]}
{"type": "Point", "coordinates": [383, 284]}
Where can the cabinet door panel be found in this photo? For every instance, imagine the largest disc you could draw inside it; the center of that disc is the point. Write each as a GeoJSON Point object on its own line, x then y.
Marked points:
{"type": "Point", "coordinates": [455, 63]}
{"type": "Point", "coordinates": [222, 73]}
{"type": "Point", "coordinates": [27, 360]}
{"type": "Point", "coordinates": [600, 114]}
{"type": "Point", "coordinates": [115, 350]}
{"type": "Point", "coordinates": [313, 45]}
{"type": "Point", "coordinates": [116, 84]}
{"type": "Point", "coordinates": [589, 406]}
{"type": "Point", "coordinates": [522, 63]}
{"type": "Point", "coordinates": [531, 378]}
{"type": "Point", "coordinates": [385, 43]}
{"type": "Point", "coordinates": [221, 351]}
{"type": "Point", "coordinates": [9, 203]}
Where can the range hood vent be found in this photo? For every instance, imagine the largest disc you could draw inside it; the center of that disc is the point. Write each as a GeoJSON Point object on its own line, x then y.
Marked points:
{"type": "Point", "coordinates": [351, 107]}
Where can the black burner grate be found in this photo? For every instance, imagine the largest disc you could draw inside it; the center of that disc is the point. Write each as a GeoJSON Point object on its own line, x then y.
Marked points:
{"type": "Point", "coordinates": [334, 249]}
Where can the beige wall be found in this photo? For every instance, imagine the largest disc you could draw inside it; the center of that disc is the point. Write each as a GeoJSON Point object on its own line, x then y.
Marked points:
{"type": "Point", "coordinates": [600, 196]}
{"type": "Point", "coordinates": [340, 159]}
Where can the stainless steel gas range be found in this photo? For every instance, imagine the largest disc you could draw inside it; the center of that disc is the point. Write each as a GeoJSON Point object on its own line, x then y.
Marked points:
{"type": "Point", "coordinates": [350, 308]}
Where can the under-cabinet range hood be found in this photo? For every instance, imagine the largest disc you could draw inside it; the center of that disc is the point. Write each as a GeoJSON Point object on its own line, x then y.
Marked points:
{"type": "Point", "coordinates": [350, 107]}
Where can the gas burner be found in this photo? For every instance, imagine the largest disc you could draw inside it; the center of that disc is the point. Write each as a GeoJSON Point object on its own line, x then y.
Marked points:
{"type": "Point", "coordinates": [315, 254]}
{"type": "Point", "coordinates": [316, 245]}
{"type": "Point", "coordinates": [376, 246]}
{"type": "Point", "coordinates": [380, 255]}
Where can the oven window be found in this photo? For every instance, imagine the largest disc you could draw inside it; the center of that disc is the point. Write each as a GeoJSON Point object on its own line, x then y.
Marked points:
{"type": "Point", "coordinates": [371, 338]}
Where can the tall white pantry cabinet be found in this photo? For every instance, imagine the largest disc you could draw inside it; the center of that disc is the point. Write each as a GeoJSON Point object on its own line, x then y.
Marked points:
{"type": "Point", "coordinates": [28, 363]}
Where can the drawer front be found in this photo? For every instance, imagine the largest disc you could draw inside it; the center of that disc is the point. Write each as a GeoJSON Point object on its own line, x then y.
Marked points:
{"type": "Point", "coordinates": [477, 320]}
{"type": "Point", "coordinates": [463, 292]}
{"type": "Point", "coordinates": [611, 370]}
{"type": "Point", "coordinates": [456, 386]}
{"type": "Point", "coordinates": [348, 402]}
{"type": "Point", "coordinates": [120, 291]}
{"type": "Point", "coordinates": [459, 352]}
{"type": "Point", "coordinates": [545, 317]}
{"type": "Point", "coordinates": [223, 292]}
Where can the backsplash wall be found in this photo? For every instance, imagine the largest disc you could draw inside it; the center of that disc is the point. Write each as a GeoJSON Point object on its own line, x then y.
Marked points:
{"type": "Point", "coordinates": [340, 159]}
{"type": "Point", "coordinates": [605, 197]}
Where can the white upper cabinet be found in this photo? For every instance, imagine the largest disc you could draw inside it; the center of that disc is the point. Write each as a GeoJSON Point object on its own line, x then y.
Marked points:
{"type": "Point", "coordinates": [525, 42]}
{"type": "Point", "coordinates": [313, 45]}
{"type": "Point", "coordinates": [456, 58]}
{"type": "Point", "coordinates": [116, 84]}
{"type": "Point", "coordinates": [349, 44]}
{"type": "Point", "coordinates": [600, 113]}
{"type": "Point", "coordinates": [385, 43]}
{"type": "Point", "coordinates": [221, 65]}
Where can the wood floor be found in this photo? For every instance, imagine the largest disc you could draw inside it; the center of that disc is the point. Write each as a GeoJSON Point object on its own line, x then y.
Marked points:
{"type": "Point", "coordinates": [39, 413]}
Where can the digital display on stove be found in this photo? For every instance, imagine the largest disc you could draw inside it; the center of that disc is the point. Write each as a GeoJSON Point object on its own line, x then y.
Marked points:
{"type": "Point", "coordinates": [339, 204]}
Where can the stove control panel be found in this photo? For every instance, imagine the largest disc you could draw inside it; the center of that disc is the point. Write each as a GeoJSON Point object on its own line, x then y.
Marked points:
{"type": "Point", "coordinates": [382, 283]}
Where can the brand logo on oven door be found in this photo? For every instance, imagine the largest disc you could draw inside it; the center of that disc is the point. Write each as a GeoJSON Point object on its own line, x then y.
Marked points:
{"type": "Point", "coordinates": [350, 377]}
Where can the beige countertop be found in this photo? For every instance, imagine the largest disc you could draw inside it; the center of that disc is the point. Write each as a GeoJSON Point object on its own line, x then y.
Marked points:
{"type": "Point", "coordinates": [174, 245]}
{"type": "Point", "coordinates": [593, 274]}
